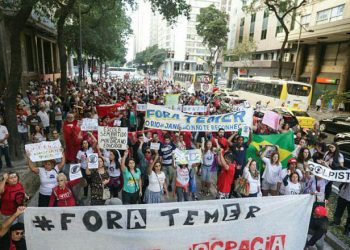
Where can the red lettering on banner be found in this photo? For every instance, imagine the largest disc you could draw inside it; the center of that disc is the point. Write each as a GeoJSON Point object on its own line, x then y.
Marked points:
{"type": "Point", "coordinates": [273, 242]}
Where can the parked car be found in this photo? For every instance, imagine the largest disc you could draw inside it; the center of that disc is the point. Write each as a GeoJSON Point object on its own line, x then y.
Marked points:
{"type": "Point", "coordinates": [335, 125]}
{"type": "Point", "coordinates": [344, 148]}
{"type": "Point", "coordinates": [342, 137]}
{"type": "Point", "coordinates": [303, 118]}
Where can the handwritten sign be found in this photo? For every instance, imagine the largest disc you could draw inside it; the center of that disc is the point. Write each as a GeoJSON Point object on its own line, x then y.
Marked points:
{"type": "Point", "coordinates": [74, 172]}
{"type": "Point", "coordinates": [113, 137]}
{"type": "Point", "coordinates": [271, 119]}
{"type": "Point", "coordinates": [43, 151]}
{"type": "Point", "coordinates": [141, 107]}
{"type": "Point", "coordinates": [89, 124]}
{"type": "Point", "coordinates": [191, 156]}
{"type": "Point", "coordinates": [155, 146]}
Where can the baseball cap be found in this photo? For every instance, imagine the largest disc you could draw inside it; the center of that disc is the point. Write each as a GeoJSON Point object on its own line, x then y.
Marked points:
{"type": "Point", "coordinates": [292, 160]}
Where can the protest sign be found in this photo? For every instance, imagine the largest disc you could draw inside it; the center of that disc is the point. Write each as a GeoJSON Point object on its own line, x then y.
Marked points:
{"type": "Point", "coordinates": [159, 117]}
{"type": "Point", "coordinates": [194, 109]}
{"type": "Point", "coordinates": [89, 124]}
{"type": "Point", "coordinates": [329, 174]}
{"type": "Point", "coordinates": [113, 137]}
{"type": "Point", "coordinates": [92, 160]}
{"type": "Point", "coordinates": [46, 150]}
{"type": "Point", "coordinates": [194, 156]}
{"type": "Point", "coordinates": [208, 224]}
{"type": "Point", "coordinates": [75, 172]}
{"type": "Point", "coordinates": [155, 146]}
{"type": "Point", "coordinates": [180, 156]}
{"type": "Point", "coordinates": [245, 131]}
{"type": "Point", "coordinates": [141, 107]}
{"type": "Point", "coordinates": [171, 99]}
{"type": "Point", "coordinates": [271, 119]}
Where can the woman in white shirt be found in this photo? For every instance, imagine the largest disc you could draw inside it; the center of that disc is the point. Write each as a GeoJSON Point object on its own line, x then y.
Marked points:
{"type": "Point", "coordinates": [48, 178]}
{"type": "Point", "coordinates": [252, 175]}
{"type": "Point", "coordinates": [157, 183]}
{"type": "Point", "coordinates": [82, 159]}
{"type": "Point", "coordinates": [292, 183]}
{"type": "Point", "coordinates": [273, 168]}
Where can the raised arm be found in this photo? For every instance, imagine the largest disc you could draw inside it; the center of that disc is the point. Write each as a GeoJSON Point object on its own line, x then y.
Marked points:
{"type": "Point", "coordinates": [3, 183]}
{"type": "Point", "coordinates": [63, 161]}
{"type": "Point", "coordinates": [8, 222]}
{"type": "Point", "coordinates": [150, 166]}
{"type": "Point", "coordinates": [122, 164]}
{"type": "Point", "coordinates": [250, 137]}
{"type": "Point", "coordinates": [223, 161]}
{"type": "Point", "coordinates": [31, 165]}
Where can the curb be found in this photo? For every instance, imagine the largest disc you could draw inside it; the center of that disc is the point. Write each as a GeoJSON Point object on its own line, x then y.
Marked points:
{"type": "Point", "coordinates": [334, 242]}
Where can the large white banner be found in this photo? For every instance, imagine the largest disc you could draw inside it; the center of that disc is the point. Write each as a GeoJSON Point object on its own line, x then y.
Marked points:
{"type": "Point", "coordinates": [112, 137]}
{"type": "Point", "coordinates": [272, 223]}
{"type": "Point", "coordinates": [159, 117]}
{"type": "Point", "coordinates": [329, 174]}
{"type": "Point", "coordinates": [45, 150]}
{"type": "Point", "coordinates": [194, 109]}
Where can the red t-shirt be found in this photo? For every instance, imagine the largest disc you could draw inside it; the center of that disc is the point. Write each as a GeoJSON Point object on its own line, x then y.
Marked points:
{"type": "Point", "coordinates": [225, 178]}
{"type": "Point", "coordinates": [11, 198]}
{"type": "Point", "coordinates": [64, 196]}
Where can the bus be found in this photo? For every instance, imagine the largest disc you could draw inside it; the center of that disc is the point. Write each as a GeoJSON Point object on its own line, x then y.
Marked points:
{"type": "Point", "coordinates": [121, 72]}
{"type": "Point", "coordinates": [275, 92]}
{"type": "Point", "coordinates": [188, 79]}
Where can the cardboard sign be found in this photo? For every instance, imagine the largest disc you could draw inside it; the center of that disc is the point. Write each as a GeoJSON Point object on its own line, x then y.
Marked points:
{"type": "Point", "coordinates": [43, 151]}
{"type": "Point", "coordinates": [155, 146]}
{"type": "Point", "coordinates": [113, 137]}
{"type": "Point", "coordinates": [92, 160]}
{"type": "Point", "coordinates": [74, 172]}
{"type": "Point", "coordinates": [89, 124]}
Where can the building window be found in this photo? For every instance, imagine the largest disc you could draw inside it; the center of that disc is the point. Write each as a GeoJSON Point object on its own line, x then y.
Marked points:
{"type": "Point", "coordinates": [263, 34]}
{"type": "Point", "coordinates": [266, 13]}
{"type": "Point", "coordinates": [279, 28]}
{"type": "Point", "coordinates": [176, 66]}
{"type": "Point", "coordinates": [305, 20]}
{"type": "Point", "coordinates": [241, 30]}
{"type": "Point", "coordinates": [29, 53]}
{"type": "Point", "coordinates": [264, 26]}
{"type": "Point", "coordinates": [256, 57]}
{"type": "Point", "coordinates": [252, 26]}
{"type": "Point", "coordinates": [330, 15]}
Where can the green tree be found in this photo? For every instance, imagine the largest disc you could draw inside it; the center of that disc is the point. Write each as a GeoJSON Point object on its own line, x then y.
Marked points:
{"type": "Point", "coordinates": [283, 10]}
{"type": "Point", "coordinates": [150, 58]}
{"type": "Point", "coordinates": [243, 52]}
{"type": "Point", "coordinates": [212, 27]}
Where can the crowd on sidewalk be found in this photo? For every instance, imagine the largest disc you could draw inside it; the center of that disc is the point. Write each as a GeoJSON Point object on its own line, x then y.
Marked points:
{"type": "Point", "coordinates": [144, 175]}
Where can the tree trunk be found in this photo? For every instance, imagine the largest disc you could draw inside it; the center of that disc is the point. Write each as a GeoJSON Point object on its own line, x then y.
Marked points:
{"type": "Point", "coordinates": [64, 12]}
{"type": "Point", "coordinates": [280, 58]}
{"type": "Point", "coordinates": [101, 68]}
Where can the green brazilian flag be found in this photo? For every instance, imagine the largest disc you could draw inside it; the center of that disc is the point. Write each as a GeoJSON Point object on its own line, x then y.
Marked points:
{"type": "Point", "coordinates": [285, 142]}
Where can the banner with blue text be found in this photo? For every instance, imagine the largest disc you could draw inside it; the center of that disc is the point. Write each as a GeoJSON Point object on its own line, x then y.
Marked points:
{"type": "Point", "coordinates": [159, 117]}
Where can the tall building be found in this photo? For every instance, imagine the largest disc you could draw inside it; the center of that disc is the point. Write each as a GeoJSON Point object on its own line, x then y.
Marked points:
{"type": "Point", "coordinates": [141, 25]}
{"type": "Point", "coordinates": [263, 28]}
{"type": "Point", "coordinates": [323, 54]}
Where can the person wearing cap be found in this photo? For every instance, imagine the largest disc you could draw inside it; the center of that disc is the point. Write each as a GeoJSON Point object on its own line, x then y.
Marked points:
{"type": "Point", "coordinates": [318, 227]}
{"type": "Point", "coordinates": [292, 167]}
{"type": "Point", "coordinates": [11, 236]}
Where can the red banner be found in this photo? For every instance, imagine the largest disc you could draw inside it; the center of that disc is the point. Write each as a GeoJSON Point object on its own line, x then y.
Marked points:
{"type": "Point", "coordinates": [109, 110]}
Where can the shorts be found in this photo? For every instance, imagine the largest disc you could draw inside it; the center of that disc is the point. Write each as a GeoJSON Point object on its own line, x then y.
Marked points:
{"type": "Point", "coordinates": [206, 173]}
{"type": "Point", "coordinates": [268, 186]}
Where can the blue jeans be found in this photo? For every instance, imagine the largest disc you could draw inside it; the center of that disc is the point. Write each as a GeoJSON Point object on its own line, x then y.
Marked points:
{"type": "Point", "coordinates": [181, 194]}
{"type": "Point", "coordinates": [4, 150]}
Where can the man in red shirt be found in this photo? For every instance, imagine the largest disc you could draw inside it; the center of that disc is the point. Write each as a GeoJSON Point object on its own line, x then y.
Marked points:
{"type": "Point", "coordinates": [225, 179]}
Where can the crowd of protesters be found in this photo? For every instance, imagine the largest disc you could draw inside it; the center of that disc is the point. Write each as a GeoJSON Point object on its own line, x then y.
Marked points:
{"type": "Point", "coordinates": [144, 175]}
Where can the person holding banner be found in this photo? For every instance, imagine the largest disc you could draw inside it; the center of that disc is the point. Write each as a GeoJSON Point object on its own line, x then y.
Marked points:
{"type": "Point", "coordinates": [82, 159]}
{"type": "Point", "coordinates": [113, 166]}
{"type": "Point", "coordinates": [99, 179]}
{"type": "Point", "coordinates": [292, 167]}
{"type": "Point", "coordinates": [62, 195]}
{"type": "Point", "coordinates": [182, 182]}
{"type": "Point", "coordinates": [343, 203]}
{"type": "Point", "coordinates": [48, 178]}
{"type": "Point", "coordinates": [132, 180]}
{"type": "Point", "coordinates": [273, 168]}
{"type": "Point", "coordinates": [166, 158]}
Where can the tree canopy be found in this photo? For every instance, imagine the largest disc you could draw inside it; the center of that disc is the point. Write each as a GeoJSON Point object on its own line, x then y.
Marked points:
{"type": "Point", "coordinates": [212, 27]}
{"type": "Point", "coordinates": [150, 58]}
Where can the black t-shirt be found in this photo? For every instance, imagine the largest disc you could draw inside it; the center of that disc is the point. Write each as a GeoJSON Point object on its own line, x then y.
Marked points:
{"type": "Point", "coordinates": [5, 243]}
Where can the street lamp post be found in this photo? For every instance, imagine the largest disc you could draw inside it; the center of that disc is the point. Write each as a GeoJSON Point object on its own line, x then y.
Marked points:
{"type": "Point", "coordinates": [149, 64]}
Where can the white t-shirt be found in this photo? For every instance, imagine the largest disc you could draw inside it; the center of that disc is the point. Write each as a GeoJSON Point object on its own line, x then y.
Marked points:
{"type": "Point", "coordinates": [292, 188]}
{"type": "Point", "coordinates": [208, 158]}
{"type": "Point", "coordinates": [254, 184]}
{"type": "Point", "coordinates": [156, 184]}
{"type": "Point", "coordinates": [272, 172]}
{"type": "Point", "coordinates": [3, 133]}
{"type": "Point", "coordinates": [82, 157]}
{"type": "Point", "coordinates": [283, 174]}
{"type": "Point", "coordinates": [48, 180]}
{"type": "Point", "coordinates": [45, 120]}
{"type": "Point", "coordinates": [22, 127]}
{"type": "Point", "coordinates": [113, 171]}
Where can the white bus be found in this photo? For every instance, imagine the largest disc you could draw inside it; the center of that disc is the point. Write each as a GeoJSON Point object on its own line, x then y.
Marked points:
{"type": "Point", "coordinates": [121, 72]}
{"type": "Point", "coordinates": [277, 92]}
